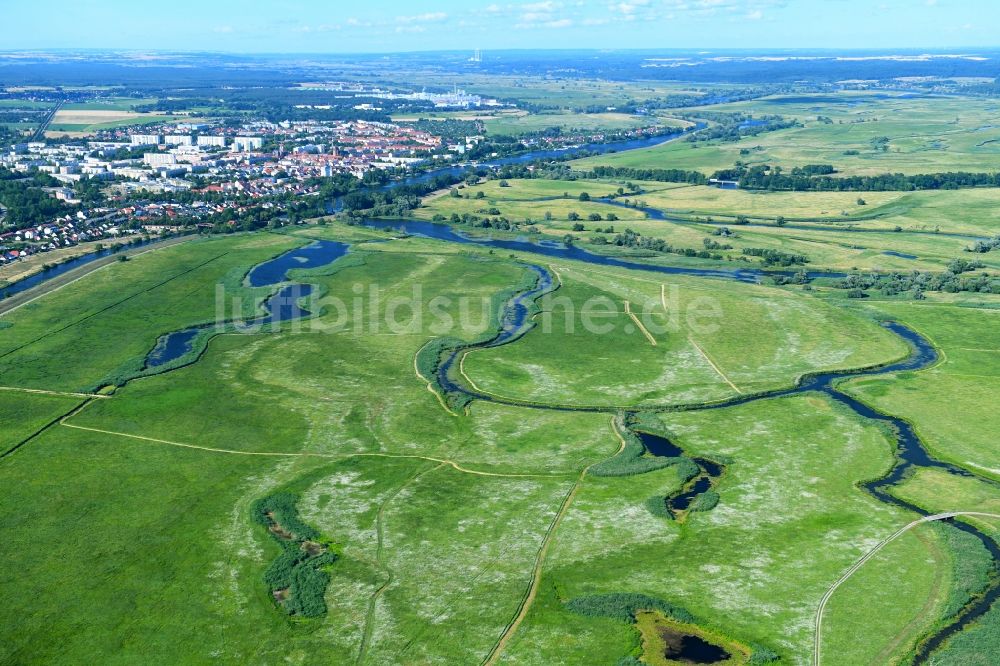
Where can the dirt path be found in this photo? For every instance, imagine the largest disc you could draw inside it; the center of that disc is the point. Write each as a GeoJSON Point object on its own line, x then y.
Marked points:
{"type": "Point", "coordinates": [67, 394]}
{"type": "Point", "coordinates": [635, 319]}
{"type": "Point", "coordinates": [536, 573]}
{"type": "Point", "coordinates": [818, 635]}
{"type": "Point", "coordinates": [717, 369]}
{"type": "Point", "coordinates": [291, 454]}
{"type": "Point", "coordinates": [380, 560]}
{"type": "Point", "coordinates": [69, 277]}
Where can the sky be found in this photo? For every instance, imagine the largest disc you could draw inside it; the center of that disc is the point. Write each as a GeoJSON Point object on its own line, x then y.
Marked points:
{"type": "Point", "coordinates": [335, 26]}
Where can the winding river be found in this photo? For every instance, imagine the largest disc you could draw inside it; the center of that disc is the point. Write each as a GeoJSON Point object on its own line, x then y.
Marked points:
{"type": "Point", "coordinates": [283, 305]}
{"type": "Point", "coordinates": [516, 323]}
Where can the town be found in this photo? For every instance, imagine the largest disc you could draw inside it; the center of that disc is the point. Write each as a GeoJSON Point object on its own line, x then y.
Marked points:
{"type": "Point", "coordinates": [160, 178]}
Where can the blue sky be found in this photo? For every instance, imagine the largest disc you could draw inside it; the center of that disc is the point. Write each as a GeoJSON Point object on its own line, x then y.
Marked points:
{"type": "Point", "coordinates": [332, 26]}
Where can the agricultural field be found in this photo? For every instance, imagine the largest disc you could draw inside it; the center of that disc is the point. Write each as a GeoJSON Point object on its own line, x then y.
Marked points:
{"type": "Point", "coordinates": [889, 231]}
{"type": "Point", "coordinates": [925, 135]}
{"type": "Point", "coordinates": [88, 120]}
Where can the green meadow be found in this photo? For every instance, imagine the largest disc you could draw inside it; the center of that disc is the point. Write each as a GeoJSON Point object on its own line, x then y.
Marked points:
{"type": "Point", "coordinates": [948, 403]}
{"type": "Point", "coordinates": [889, 231]}
{"type": "Point", "coordinates": [478, 535]}
{"type": "Point", "coordinates": [925, 136]}
{"type": "Point", "coordinates": [586, 350]}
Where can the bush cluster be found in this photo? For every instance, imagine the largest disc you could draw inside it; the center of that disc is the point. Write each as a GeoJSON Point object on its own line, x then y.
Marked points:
{"type": "Point", "coordinates": [301, 573]}
{"type": "Point", "coordinates": [624, 605]}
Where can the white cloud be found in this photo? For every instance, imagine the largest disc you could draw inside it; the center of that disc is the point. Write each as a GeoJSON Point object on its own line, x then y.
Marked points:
{"type": "Point", "coordinates": [547, 6]}
{"type": "Point", "coordinates": [429, 17]}
{"type": "Point", "coordinates": [628, 7]}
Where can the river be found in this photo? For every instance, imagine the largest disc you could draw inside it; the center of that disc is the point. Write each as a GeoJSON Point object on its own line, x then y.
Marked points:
{"type": "Point", "coordinates": [910, 451]}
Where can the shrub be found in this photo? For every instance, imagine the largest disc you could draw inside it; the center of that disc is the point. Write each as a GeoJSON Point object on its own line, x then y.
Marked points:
{"type": "Point", "coordinates": [295, 569]}
{"type": "Point", "coordinates": [624, 605]}
{"type": "Point", "coordinates": [762, 655]}
{"type": "Point", "coordinates": [705, 501]}
{"type": "Point", "coordinates": [632, 459]}
{"type": "Point", "coordinates": [657, 506]}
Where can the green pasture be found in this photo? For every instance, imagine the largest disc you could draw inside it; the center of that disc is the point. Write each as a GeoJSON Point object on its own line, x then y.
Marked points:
{"type": "Point", "coordinates": [586, 350]}
{"type": "Point", "coordinates": [926, 135]}
{"type": "Point", "coordinates": [947, 403]}
{"type": "Point", "coordinates": [756, 565]}
{"type": "Point", "coordinates": [131, 523]}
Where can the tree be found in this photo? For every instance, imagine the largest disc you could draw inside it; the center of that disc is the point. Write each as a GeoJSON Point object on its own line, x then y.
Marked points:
{"type": "Point", "coordinates": [861, 202]}
{"type": "Point", "coordinates": [578, 227]}
{"type": "Point", "coordinates": [573, 216]}
{"type": "Point", "coordinates": [594, 217]}
{"type": "Point", "coordinates": [504, 183]}
{"type": "Point", "coordinates": [584, 196]}
{"type": "Point", "coordinates": [780, 221]}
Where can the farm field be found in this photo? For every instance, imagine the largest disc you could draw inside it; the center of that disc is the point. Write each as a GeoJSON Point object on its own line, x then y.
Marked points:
{"type": "Point", "coordinates": [925, 135]}
{"type": "Point", "coordinates": [89, 120]}
{"type": "Point", "coordinates": [891, 231]}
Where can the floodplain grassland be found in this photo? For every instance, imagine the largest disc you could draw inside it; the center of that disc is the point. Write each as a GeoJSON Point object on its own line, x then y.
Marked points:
{"type": "Point", "coordinates": [528, 200]}
{"type": "Point", "coordinates": [937, 490]}
{"type": "Point", "coordinates": [114, 316]}
{"type": "Point", "coordinates": [926, 135]}
{"type": "Point", "coordinates": [24, 414]}
{"type": "Point", "coordinates": [703, 350]}
{"type": "Point", "coordinates": [344, 445]}
{"type": "Point", "coordinates": [790, 520]}
{"type": "Point", "coordinates": [133, 515]}
{"type": "Point", "coordinates": [948, 403]}
{"type": "Point", "coordinates": [894, 231]}
{"type": "Point", "coordinates": [938, 560]}
{"type": "Point", "coordinates": [119, 549]}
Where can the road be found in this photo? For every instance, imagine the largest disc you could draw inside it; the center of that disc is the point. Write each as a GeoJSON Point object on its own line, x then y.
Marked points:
{"type": "Point", "coordinates": [44, 125]}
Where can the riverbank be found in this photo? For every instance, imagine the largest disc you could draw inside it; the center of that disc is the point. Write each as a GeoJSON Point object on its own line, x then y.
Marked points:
{"type": "Point", "coordinates": [57, 282]}
{"type": "Point", "coordinates": [35, 264]}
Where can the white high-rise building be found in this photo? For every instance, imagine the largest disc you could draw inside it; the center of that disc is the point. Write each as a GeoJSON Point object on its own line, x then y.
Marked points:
{"type": "Point", "coordinates": [248, 143]}
{"type": "Point", "coordinates": [159, 159]}
{"type": "Point", "coordinates": [178, 140]}
{"type": "Point", "coordinates": [212, 141]}
{"type": "Point", "coordinates": [145, 139]}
